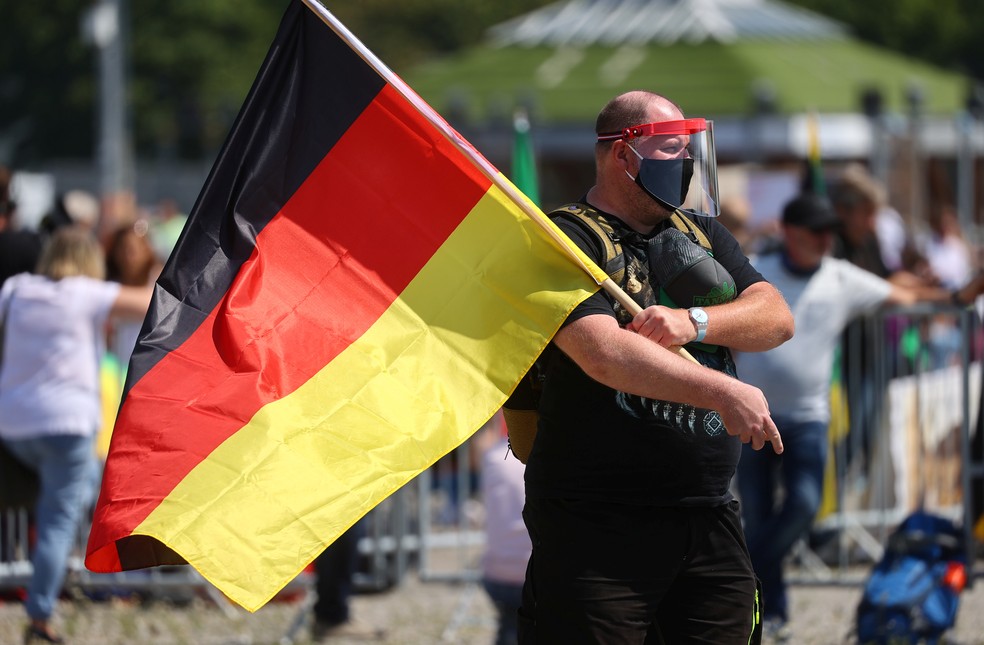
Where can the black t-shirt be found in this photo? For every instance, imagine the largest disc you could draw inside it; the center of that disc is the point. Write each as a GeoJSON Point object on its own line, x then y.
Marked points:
{"type": "Point", "coordinates": [596, 443]}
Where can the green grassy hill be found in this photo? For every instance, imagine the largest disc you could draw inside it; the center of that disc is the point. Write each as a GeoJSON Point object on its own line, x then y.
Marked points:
{"type": "Point", "coordinates": [710, 78]}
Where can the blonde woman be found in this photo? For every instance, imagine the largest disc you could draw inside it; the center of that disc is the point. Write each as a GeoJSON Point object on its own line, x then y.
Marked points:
{"type": "Point", "coordinates": [49, 395]}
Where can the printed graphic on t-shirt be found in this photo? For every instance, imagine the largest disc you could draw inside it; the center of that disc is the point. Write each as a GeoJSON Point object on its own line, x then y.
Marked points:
{"type": "Point", "coordinates": [680, 417]}
{"type": "Point", "coordinates": [684, 418]}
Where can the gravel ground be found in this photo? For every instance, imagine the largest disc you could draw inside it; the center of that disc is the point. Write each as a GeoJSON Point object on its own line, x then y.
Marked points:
{"type": "Point", "coordinates": [414, 612]}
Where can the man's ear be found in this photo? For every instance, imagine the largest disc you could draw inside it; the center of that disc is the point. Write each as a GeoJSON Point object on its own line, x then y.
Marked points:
{"type": "Point", "coordinates": [621, 155]}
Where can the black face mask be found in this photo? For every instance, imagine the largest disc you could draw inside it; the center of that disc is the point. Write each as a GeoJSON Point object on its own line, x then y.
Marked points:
{"type": "Point", "coordinates": [665, 180]}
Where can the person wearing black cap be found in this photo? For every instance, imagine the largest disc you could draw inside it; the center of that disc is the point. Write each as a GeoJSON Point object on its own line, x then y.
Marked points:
{"type": "Point", "coordinates": [636, 536]}
{"type": "Point", "coordinates": [825, 294]}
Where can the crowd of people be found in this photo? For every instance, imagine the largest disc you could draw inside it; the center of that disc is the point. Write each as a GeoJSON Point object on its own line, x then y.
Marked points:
{"type": "Point", "coordinates": [661, 498]}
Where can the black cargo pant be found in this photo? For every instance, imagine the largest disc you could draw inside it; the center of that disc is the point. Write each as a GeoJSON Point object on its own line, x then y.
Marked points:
{"type": "Point", "coordinates": [611, 573]}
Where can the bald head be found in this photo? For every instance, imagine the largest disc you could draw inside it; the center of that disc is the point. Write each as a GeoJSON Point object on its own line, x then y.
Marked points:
{"type": "Point", "coordinates": [635, 108]}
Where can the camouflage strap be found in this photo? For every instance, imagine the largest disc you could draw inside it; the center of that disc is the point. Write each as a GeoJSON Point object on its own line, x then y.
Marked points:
{"type": "Point", "coordinates": [594, 222]}
{"type": "Point", "coordinates": [686, 225]}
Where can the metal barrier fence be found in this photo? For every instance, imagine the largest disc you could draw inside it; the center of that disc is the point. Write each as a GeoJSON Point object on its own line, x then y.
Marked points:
{"type": "Point", "coordinates": [905, 429]}
{"type": "Point", "coordinates": [906, 413]}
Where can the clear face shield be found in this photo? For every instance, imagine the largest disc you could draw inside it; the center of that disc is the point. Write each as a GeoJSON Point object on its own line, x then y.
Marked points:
{"type": "Point", "coordinates": [677, 165]}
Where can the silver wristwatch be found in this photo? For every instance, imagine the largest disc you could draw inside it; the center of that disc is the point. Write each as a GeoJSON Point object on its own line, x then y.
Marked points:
{"type": "Point", "coordinates": [699, 318]}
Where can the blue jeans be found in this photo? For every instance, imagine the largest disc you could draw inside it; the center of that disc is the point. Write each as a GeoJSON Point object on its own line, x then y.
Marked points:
{"type": "Point", "coordinates": [65, 464]}
{"type": "Point", "coordinates": [773, 522]}
{"type": "Point", "coordinates": [507, 598]}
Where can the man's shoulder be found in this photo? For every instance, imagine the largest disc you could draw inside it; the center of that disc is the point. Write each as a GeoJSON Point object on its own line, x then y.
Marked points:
{"type": "Point", "coordinates": [575, 216]}
{"type": "Point", "coordinates": [587, 217]}
{"type": "Point", "coordinates": [571, 209]}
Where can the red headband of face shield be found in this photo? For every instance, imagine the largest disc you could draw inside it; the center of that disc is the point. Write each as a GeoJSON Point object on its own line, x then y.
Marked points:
{"type": "Point", "coordinates": [682, 126]}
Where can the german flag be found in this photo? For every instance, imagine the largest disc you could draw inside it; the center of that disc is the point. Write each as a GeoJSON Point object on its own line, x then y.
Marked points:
{"type": "Point", "coordinates": [353, 295]}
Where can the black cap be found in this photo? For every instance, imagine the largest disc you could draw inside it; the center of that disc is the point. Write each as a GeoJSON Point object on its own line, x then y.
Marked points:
{"type": "Point", "coordinates": [810, 211]}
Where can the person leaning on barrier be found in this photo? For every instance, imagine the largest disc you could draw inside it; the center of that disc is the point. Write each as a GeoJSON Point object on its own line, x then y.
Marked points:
{"type": "Point", "coordinates": [635, 534]}
{"type": "Point", "coordinates": [825, 294]}
{"type": "Point", "coordinates": [871, 235]}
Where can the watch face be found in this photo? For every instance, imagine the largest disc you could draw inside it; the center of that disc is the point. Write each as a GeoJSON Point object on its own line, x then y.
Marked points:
{"type": "Point", "coordinates": [699, 315]}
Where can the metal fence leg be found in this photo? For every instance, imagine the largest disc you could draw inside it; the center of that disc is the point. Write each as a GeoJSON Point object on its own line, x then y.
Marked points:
{"type": "Point", "coordinates": [300, 617]}
{"type": "Point", "coordinates": [463, 614]}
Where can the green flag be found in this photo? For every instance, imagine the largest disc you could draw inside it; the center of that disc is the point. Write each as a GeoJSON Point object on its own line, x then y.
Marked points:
{"type": "Point", "coordinates": [523, 159]}
{"type": "Point", "coordinates": [814, 180]}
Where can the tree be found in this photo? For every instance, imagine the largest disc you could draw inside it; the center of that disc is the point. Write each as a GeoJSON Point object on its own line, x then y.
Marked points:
{"type": "Point", "coordinates": [191, 63]}
{"type": "Point", "coordinates": [945, 32]}
{"type": "Point", "coordinates": [46, 88]}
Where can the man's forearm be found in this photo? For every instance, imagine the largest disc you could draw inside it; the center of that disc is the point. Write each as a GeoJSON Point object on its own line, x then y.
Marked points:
{"type": "Point", "coordinates": [628, 362]}
{"type": "Point", "coordinates": [758, 320]}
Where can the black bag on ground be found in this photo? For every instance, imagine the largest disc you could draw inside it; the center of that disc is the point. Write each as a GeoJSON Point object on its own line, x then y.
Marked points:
{"type": "Point", "coordinates": [913, 593]}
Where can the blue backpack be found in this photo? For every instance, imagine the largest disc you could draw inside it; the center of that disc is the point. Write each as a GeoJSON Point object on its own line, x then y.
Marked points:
{"type": "Point", "coordinates": [913, 593]}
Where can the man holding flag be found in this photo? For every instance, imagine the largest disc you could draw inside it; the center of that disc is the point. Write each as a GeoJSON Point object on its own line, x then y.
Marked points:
{"type": "Point", "coordinates": [636, 537]}
{"type": "Point", "coordinates": [339, 314]}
